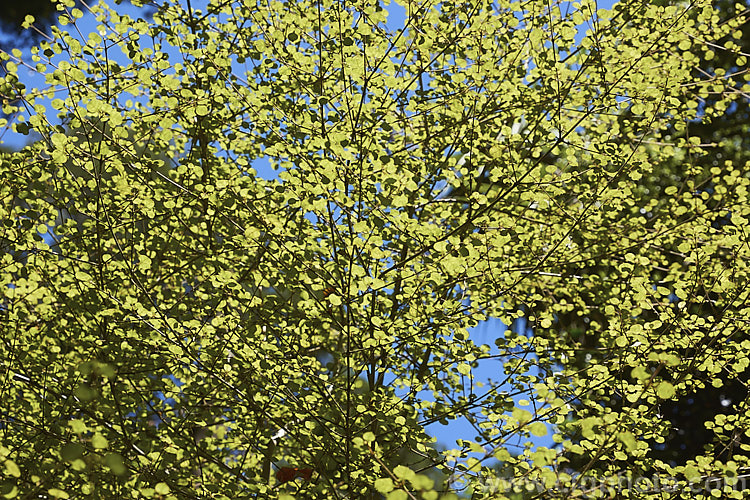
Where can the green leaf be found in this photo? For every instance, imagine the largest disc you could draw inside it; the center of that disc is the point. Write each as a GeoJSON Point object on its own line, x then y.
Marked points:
{"type": "Point", "coordinates": [115, 463]}
{"type": "Point", "coordinates": [538, 429]}
{"type": "Point", "coordinates": [78, 426]}
{"type": "Point", "coordinates": [161, 488]}
{"type": "Point", "coordinates": [523, 416]}
{"type": "Point", "coordinates": [404, 473]}
{"type": "Point", "coordinates": [665, 390]}
{"type": "Point", "coordinates": [11, 468]}
{"type": "Point", "coordinates": [397, 495]}
{"type": "Point", "coordinates": [691, 473]}
{"type": "Point", "coordinates": [98, 441]}
{"type": "Point", "coordinates": [628, 439]}
{"type": "Point", "coordinates": [71, 451]}
{"type": "Point", "coordinates": [383, 485]}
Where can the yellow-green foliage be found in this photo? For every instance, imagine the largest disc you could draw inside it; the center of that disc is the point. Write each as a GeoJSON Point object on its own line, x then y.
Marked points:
{"type": "Point", "coordinates": [198, 326]}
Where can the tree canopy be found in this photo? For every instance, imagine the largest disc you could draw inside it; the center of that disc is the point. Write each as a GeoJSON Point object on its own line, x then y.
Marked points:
{"type": "Point", "coordinates": [727, 135]}
{"type": "Point", "coordinates": [177, 325]}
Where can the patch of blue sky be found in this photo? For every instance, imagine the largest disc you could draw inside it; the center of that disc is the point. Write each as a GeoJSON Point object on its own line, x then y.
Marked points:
{"type": "Point", "coordinates": [84, 28]}
{"type": "Point", "coordinates": [488, 379]}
